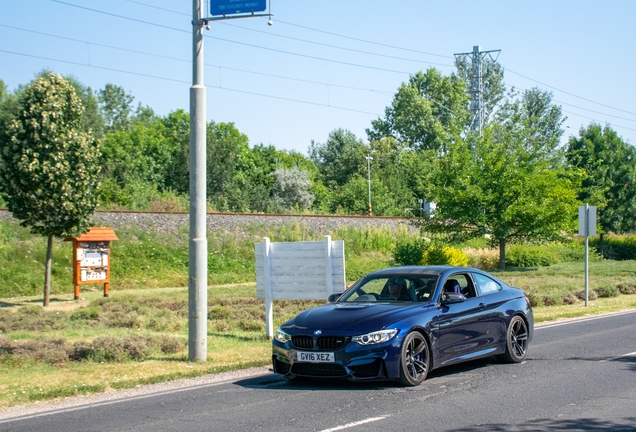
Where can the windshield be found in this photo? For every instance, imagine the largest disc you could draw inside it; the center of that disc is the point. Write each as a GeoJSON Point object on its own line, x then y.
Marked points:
{"type": "Point", "coordinates": [388, 289]}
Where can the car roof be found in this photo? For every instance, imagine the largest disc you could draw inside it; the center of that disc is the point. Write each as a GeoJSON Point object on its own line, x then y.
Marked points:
{"type": "Point", "coordinates": [412, 270]}
{"type": "Point", "coordinates": [437, 270]}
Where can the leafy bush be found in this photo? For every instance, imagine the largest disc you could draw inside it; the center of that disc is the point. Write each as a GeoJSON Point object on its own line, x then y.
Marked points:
{"type": "Point", "coordinates": [251, 325]}
{"type": "Point", "coordinates": [137, 347]}
{"type": "Point", "coordinates": [530, 256]}
{"type": "Point", "coordinates": [551, 300]}
{"type": "Point", "coordinates": [570, 299]}
{"type": "Point", "coordinates": [170, 345]}
{"type": "Point", "coordinates": [410, 251]}
{"type": "Point", "coordinates": [607, 290]}
{"type": "Point", "coordinates": [219, 312]}
{"type": "Point", "coordinates": [626, 288]}
{"type": "Point", "coordinates": [571, 252]}
{"type": "Point", "coordinates": [591, 294]}
{"type": "Point", "coordinates": [85, 314]}
{"type": "Point", "coordinates": [616, 247]}
{"type": "Point", "coordinates": [32, 318]}
{"type": "Point", "coordinates": [535, 299]}
{"type": "Point", "coordinates": [436, 255]}
{"type": "Point", "coordinates": [111, 349]}
{"type": "Point", "coordinates": [53, 351]}
{"type": "Point", "coordinates": [102, 349]}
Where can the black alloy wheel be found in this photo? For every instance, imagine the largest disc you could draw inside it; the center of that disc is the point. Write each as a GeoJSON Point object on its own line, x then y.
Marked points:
{"type": "Point", "coordinates": [414, 360]}
{"type": "Point", "coordinates": [516, 341]}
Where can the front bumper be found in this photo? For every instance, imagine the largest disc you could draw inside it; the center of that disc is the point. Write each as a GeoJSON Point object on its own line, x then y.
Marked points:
{"type": "Point", "coordinates": [353, 361]}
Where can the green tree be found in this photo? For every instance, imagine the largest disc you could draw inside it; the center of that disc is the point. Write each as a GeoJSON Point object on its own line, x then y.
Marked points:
{"type": "Point", "coordinates": [352, 198]}
{"type": "Point", "coordinates": [8, 106]}
{"type": "Point", "coordinates": [228, 164]}
{"type": "Point", "coordinates": [340, 158]}
{"type": "Point", "coordinates": [144, 114]}
{"type": "Point", "coordinates": [141, 153]}
{"type": "Point", "coordinates": [92, 119]}
{"type": "Point", "coordinates": [3, 92]}
{"type": "Point", "coordinates": [495, 187]}
{"type": "Point", "coordinates": [533, 115]}
{"type": "Point", "coordinates": [291, 188]}
{"type": "Point", "coordinates": [425, 113]}
{"type": "Point", "coordinates": [177, 129]}
{"type": "Point", "coordinates": [49, 165]}
{"type": "Point", "coordinates": [116, 107]}
{"type": "Point", "coordinates": [610, 164]}
{"type": "Point", "coordinates": [260, 190]}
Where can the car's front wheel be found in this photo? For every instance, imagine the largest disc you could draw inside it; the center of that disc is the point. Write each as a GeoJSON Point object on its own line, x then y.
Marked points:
{"type": "Point", "coordinates": [414, 360]}
{"type": "Point", "coordinates": [516, 341]}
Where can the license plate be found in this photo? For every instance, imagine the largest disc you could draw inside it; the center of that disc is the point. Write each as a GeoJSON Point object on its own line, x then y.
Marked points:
{"type": "Point", "coordinates": [315, 357]}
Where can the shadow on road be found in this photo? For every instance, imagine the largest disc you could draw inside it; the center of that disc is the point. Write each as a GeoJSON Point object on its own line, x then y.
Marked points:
{"type": "Point", "coordinates": [585, 424]}
{"type": "Point", "coordinates": [329, 384]}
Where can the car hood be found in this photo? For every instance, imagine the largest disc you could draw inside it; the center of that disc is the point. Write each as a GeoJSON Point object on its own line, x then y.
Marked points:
{"type": "Point", "coordinates": [352, 318]}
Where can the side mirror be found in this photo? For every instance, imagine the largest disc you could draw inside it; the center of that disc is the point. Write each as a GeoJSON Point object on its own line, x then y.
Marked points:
{"type": "Point", "coordinates": [450, 298]}
{"type": "Point", "coordinates": [333, 297]}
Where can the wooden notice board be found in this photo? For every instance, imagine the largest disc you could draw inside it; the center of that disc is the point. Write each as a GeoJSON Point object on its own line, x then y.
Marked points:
{"type": "Point", "coordinates": [92, 258]}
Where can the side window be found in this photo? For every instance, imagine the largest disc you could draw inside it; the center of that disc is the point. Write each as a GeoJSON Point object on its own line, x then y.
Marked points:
{"type": "Point", "coordinates": [464, 281]}
{"type": "Point", "coordinates": [485, 285]}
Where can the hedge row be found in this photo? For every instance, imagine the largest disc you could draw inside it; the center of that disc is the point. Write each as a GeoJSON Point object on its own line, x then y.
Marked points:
{"type": "Point", "coordinates": [414, 252]}
{"type": "Point", "coordinates": [615, 247]}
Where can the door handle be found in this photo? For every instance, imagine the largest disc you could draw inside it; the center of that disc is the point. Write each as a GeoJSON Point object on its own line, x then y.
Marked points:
{"type": "Point", "coordinates": [483, 305]}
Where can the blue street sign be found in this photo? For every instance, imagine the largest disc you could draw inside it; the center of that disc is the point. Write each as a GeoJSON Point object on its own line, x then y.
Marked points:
{"type": "Point", "coordinates": [232, 7]}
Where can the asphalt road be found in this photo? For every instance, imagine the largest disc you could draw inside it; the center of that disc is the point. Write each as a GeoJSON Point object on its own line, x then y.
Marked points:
{"type": "Point", "coordinates": [580, 375]}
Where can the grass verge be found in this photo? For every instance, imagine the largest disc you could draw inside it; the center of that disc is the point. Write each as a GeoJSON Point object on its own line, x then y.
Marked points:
{"type": "Point", "coordinates": [236, 337]}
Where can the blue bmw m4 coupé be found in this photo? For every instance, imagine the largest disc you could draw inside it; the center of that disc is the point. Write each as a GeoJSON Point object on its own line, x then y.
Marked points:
{"type": "Point", "coordinates": [401, 323]}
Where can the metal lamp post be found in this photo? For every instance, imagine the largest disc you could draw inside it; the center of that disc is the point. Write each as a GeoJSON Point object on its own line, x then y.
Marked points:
{"type": "Point", "coordinates": [198, 244]}
{"type": "Point", "coordinates": [369, 159]}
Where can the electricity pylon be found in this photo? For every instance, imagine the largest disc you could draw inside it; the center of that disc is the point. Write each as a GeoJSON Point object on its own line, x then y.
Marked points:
{"type": "Point", "coordinates": [476, 87]}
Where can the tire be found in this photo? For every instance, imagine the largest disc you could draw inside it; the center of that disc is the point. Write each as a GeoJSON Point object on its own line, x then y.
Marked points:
{"type": "Point", "coordinates": [516, 341]}
{"type": "Point", "coordinates": [414, 360]}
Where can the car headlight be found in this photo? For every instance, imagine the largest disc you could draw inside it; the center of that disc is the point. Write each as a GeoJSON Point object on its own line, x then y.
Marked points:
{"type": "Point", "coordinates": [282, 337]}
{"type": "Point", "coordinates": [375, 337]}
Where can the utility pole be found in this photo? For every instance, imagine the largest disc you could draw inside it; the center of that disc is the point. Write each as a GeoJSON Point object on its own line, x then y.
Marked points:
{"type": "Point", "coordinates": [198, 245]}
{"type": "Point", "coordinates": [476, 85]}
{"type": "Point", "coordinates": [369, 159]}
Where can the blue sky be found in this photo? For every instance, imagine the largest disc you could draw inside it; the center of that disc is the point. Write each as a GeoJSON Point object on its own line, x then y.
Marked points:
{"type": "Point", "coordinates": [327, 64]}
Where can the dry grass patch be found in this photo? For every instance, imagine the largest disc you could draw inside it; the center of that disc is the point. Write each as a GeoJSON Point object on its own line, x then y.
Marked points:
{"type": "Point", "coordinates": [236, 329]}
{"type": "Point", "coordinates": [596, 307]}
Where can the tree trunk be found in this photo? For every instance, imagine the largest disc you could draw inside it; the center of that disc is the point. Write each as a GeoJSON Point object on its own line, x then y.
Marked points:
{"type": "Point", "coordinates": [600, 246]}
{"type": "Point", "coordinates": [502, 253]}
{"type": "Point", "coordinates": [47, 272]}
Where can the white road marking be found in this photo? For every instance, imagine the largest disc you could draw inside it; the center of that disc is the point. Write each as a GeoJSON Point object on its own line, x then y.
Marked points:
{"type": "Point", "coordinates": [354, 424]}
{"type": "Point", "coordinates": [632, 354]}
{"type": "Point", "coordinates": [578, 320]}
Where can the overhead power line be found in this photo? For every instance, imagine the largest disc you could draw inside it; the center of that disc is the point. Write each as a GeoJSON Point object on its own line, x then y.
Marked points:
{"type": "Point", "coordinates": [188, 82]}
{"type": "Point", "coordinates": [311, 29]}
{"type": "Point", "coordinates": [183, 60]}
{"type": "Point", "coordinates": [595, 112]}
{"type": "Point", "coordinates": [568, 93]}
{"type": "Point", "coordinates": [332, 34]}
{"type": "Point", "coordinates": [266, 48]}
{"type": "Point", "coordinates": [595, 120]}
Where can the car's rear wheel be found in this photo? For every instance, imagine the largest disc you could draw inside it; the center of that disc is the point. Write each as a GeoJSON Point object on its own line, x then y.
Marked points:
{"type": "Point", "coordinates": [414, 360]}
{"type": "Point", "coordinates": [516, 341]}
